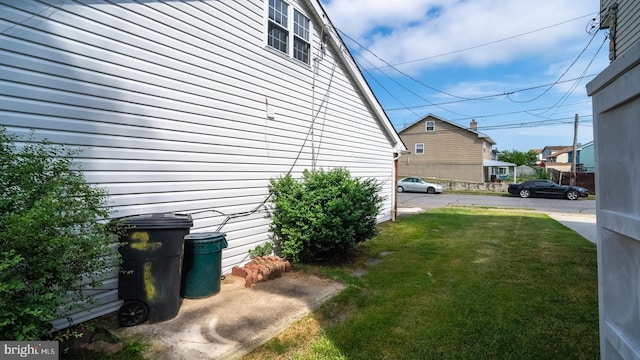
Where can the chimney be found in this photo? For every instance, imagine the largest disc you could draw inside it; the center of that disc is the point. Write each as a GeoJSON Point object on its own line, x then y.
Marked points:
{"type": "Point", "coordinates": [474, 125]}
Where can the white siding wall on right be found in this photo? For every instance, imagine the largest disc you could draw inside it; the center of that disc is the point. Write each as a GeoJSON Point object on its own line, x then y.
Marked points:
{"type": "Point", "coordinates": [616, 105]}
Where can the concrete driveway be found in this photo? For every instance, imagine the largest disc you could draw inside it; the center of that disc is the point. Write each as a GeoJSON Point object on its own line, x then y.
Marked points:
{"type": "Point", "coordinates": [579, 215]}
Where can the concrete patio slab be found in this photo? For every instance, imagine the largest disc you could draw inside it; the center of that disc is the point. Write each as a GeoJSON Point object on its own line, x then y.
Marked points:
{"type": "Point", "coordinates": [235, 321]}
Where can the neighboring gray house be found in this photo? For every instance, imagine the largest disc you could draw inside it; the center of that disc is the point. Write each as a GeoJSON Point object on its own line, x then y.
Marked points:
{"type": "Point", "coordinates": [191, 106]}
{"type": "Point", "coordinates": [616, 105]}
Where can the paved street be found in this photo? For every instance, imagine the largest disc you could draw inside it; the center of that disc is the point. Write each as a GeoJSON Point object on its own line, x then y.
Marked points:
{"type": "Point", "coordinates": [578, 215]}
{"type": "Point", "coordinates": [432, 201]}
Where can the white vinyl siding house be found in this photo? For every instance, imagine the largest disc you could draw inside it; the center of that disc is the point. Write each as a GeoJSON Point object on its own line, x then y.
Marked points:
{"type": "Point", "coordinates": [622, 18]}
{"type": "Point", "coordinates": [186, 106]}
{"type": "Point", "coordinates": [615, 96]}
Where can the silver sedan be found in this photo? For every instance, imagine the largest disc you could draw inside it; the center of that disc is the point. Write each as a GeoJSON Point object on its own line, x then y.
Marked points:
{"type": "Point", "coordinates": [418, 185]}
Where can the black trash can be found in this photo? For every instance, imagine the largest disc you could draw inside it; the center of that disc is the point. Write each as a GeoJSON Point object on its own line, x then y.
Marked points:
{"type": "Point", "coordinates": [201, 266]}
{"type": "Point", "coordinates": [150, 274]}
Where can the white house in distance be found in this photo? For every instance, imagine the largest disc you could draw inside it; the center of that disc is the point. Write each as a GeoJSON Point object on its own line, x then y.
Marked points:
{"type": "Point", "coordinates": [191, 106]}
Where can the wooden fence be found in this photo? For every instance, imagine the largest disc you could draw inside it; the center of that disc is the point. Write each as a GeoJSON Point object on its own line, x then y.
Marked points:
{"type": "Point", "coordinates": [583, 179]}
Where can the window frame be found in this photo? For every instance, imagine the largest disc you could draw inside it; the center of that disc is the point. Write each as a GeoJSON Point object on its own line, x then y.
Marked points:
{"type": "Point", "coordinates": [275, 22]}
{"type": "Point", "coordinates": [288, 33]}
{"type": "Point", "coordinates": [303, 38]}
{"type": "Point", "coordinates": [433, 126]}
{"type": "Point", "coordinates": [416, 149]}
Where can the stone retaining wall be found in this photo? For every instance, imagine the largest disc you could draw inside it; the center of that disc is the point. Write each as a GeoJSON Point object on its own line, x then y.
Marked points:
{"type": "Point", "coordinates": [470, 186]}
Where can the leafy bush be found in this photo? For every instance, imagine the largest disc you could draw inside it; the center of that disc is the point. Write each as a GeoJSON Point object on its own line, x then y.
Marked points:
{"type": "Point", "coordinates": [542, 173]}
{"type": "Point", "coordinates": [322, 215]}
{"type": "Point", "coordinates": [51, 240]}
{"type": "Point", "coordinates": [261, 250]}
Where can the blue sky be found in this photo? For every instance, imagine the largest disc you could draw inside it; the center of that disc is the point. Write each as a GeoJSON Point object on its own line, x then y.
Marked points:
{"type": "Point", "coordinates": [519, 68]}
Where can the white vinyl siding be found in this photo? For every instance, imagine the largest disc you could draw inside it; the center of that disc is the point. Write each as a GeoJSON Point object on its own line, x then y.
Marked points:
{"type": "Point", "coordinates": [169, 102]}
{"type": "Point", "coordinates": [625, 28]}
{"type": "Point", "coordinates": [616, 103]}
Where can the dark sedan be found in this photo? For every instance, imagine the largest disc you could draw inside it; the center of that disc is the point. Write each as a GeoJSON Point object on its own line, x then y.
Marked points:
{"type": "Point", "coordinates": [548, 189]}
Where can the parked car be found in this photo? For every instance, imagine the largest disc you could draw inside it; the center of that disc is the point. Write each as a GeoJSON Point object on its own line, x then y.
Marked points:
{"type": "Point", "coordinates": [548, 189]}
{"type": "Point", "coordinates": [418, 185]}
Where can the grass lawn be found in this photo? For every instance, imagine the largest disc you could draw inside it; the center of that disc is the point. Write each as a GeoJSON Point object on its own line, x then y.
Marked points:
{"type": "Point", "coordinates": [457, 283]}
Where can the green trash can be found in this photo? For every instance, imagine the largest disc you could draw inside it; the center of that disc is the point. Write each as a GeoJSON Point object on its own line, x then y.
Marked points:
{"type": "Point", "coordinates": [150, 273]}
{"type": "Point", "coordinates": [201, 266]}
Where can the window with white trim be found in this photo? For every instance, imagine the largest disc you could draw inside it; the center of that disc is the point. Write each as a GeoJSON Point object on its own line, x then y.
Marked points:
{"type": "Point", "coordinates": [301, 45]}
{"type": "Point", "coordinates": [279, 28]}
{"type": "Point", "coordinates": [278, 33]}
{"type": "Point", "coordinates": [430, 126]}
{"type": "Point", "coordinates": [419, 148]}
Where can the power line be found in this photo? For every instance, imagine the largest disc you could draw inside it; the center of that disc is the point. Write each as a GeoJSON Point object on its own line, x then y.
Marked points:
{"type": "Point", "coordinates": [460, 98]}
{"type": "Point", "coordinates": [520, 125]}
{"type": "Point", "coordinates": [563, 74]}
{"type": "Point", "coordinates": [391, 94]}
{"type": "Point", "coordinates": [547, 122]}
{"type": "Point", "coordinates": [570, 91]}
{"type": "Point", "coordinates": [486, 97]}
{"type": "Point", "coordinates": [398, 70]}
{"type": "Point", "coordinates": [486, 44]}
{"type": "Point", "coordinates": [516, 112]}
{"type": "Point", "coordinates": [403, 87]}
{"type": "Point", "coordinates": [490, 96]}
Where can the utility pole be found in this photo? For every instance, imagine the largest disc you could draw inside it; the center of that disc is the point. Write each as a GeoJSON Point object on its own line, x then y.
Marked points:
{"type": "Point", "coordinates": [572, 180]}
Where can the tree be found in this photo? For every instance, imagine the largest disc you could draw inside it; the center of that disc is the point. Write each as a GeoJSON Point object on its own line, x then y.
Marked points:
{"type": "Point", "coordinates": [518, 157]}
{"type": "Point", "coordinates": [52, 241]}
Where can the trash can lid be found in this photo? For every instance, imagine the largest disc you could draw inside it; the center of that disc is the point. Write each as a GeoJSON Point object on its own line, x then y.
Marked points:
{"type": "Point", "coordinates": [160, 220]}
{"type": "Point", "coordinates": [205, 236]}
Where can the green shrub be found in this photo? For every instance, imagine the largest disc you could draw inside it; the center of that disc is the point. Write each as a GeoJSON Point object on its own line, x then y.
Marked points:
{"type": "Point", "coordinates": [542, 173]}
{"type": "Point", "coordinates": [323, 215]}
{"type": "Point", "coordinates": [51, 243]}
{"type": "Point", "coordinates": [261, 250]}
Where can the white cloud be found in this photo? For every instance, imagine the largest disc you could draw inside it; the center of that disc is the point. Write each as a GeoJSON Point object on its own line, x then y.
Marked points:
{"type": "Point", "coordinates": [407, 30]}
{"type": "Point", "coordinates": [450, 35]}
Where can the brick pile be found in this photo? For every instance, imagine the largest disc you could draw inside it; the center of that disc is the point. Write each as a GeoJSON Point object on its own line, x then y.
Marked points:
{"type": "Point", "coordinates": [262, 268]}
